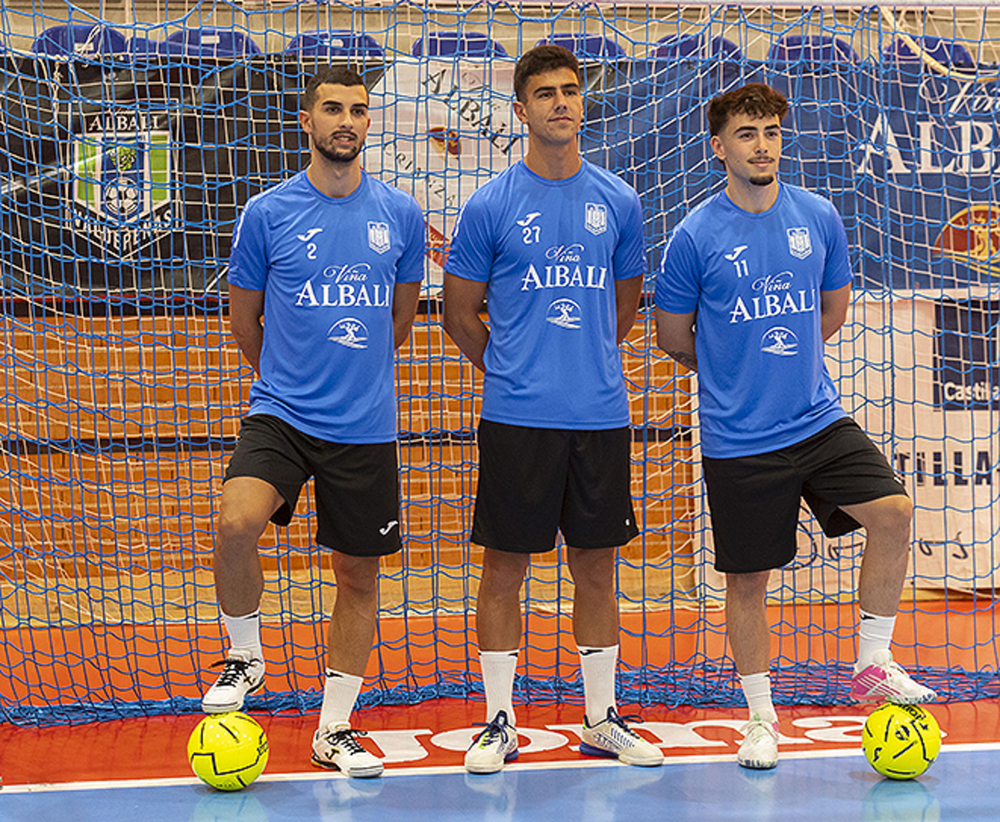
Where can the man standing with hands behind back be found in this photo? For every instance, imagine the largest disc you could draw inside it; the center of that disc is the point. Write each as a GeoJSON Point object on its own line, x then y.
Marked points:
{"type": "Point", "coordinates": [554, 245]}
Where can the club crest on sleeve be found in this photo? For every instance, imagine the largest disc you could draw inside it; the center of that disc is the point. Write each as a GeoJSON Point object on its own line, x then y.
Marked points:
{"type": "Point", "coordinates": [596, 218]}
{"type": "Point", "coordinates": [378, 237]}
{"type": "Point", "coordinates": [799, 244]}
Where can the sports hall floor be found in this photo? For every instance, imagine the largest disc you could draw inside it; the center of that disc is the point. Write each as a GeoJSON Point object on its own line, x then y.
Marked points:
{"type": "Point", "coordinates": [136, 769]}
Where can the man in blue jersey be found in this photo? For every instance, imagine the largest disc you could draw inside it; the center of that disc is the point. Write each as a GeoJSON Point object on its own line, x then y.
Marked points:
{"type": "Point", "coordinates": [555, 246]}
{"type": "Point", "coordinates": [331, 260]}
{"type": "Point", "coordinates": [752, 283]}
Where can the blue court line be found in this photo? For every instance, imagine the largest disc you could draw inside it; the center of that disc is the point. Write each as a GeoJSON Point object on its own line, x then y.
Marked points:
{"type": "Point", "coordinates": [836, 788]}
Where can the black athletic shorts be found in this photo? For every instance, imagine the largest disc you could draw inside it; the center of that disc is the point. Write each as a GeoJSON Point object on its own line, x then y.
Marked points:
{"type": "Point", "coordinates": [535, 481]}
{"type": "Point", "coordinates": [755, 500]}
{"type": "Point", "coordinates": [357, 486]}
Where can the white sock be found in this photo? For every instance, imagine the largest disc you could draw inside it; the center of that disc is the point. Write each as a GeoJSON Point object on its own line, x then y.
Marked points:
{"type": "Point", "coordinates": [757, 690]}
{"type": "Point", "coordinates": [340, 692]}
{"type": "Point", "coordinates": [244, 632]}
{"type": "Point", "coordinates": [874, 634]}
{"type": "Point", "coordinates": [598, 666]}
{"type": "Point", "coordinates": [498, 682]}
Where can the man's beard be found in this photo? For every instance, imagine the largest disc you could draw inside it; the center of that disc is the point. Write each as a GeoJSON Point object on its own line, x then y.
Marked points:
{"type": "Point", "coordinates": [762, 179]}
{"type": "Point", "coordinates": [337, 155]}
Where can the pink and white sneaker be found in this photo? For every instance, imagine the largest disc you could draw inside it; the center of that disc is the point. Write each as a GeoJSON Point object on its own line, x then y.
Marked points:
{"type": "Point", "coordinates": [884, 679]}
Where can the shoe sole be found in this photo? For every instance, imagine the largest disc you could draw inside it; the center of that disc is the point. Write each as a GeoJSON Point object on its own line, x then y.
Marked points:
{"type": "Point", "coordinates": [895, 699]}
{"type": "Point", "coordinates": [481, 769]}
{"type": "Point", "coordinates": [756, 765]}
{"type": "Point", "coordinates": [591, 750]}
{"type": "Point", "coordinates": [358, 773]}
{"type": "Point", "coordinates": [228, 708]}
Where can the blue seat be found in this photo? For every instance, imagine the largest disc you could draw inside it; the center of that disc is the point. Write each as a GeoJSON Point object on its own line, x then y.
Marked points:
{"type": "Point", "coordinates": [145, 48]}
{"type": "Point", "coordinates": [814, 49]}
{"type": "Point", "coordinates": [693, 46]}
{"type": "Point", "coordinates": [321, 44]}
{"type": "Point", "coordinates": [453, 44]}
{"type": "Point", "coordinates": [586, 47]}
{"type": "Point", "coordinates": [947, 52]}
{"type": "Point", "coordinates": [209, 41]}
{"type": "Point", "coordinates": [79, 42]}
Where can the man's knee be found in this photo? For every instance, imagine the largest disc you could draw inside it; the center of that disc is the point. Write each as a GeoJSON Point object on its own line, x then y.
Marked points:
{"type": "Point", "coordinates": [359, 575]}
{"type": "Point", "coordinates": [503, 571]}
{"type": "Point", "coordinates": [890, 515]}
{"type": "Point", "coordinates": [594, 569]}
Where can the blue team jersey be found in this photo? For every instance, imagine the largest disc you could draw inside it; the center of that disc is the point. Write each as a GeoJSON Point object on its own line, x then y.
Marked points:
{"type": "Point", "coordinates": [551, 251]}
{"type": "Point", "coordinates": [327, 267]}
{"type": "Point", "coordinates": [755, 282]}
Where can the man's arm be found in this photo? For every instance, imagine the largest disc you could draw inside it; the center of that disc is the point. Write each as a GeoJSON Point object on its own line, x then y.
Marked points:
{"type": "Point", "coordinates": [627, 294]}
{"type": "Point", "coordinates": [245, 311]}
{"type": "Point", "coordinates": [675, 335]}
{"type": "Point", "coordinates": [833, 310]}
{"type": "Point", "coordinates": [462, 301]}
{"type": "Point", "coordinates": [405, 297]}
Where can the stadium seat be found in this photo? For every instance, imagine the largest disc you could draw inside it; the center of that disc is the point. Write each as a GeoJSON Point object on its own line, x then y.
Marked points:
{"type": "Point", "coordinates": [813, 49]}
{"type": "Point", "coordinates": [335, 43]}
{"type": "Point", "coordinates": [947, 52]}
{"type": "Point", "coordinates": [453, 44]}
{"type": "Point", "coordinates": [209, 41]}
{"type": "Point", "coordinates": [145, 48]}
{"type": "Point", "coordinates": [693, 46]}
{"type": "Point", "coordinates": [77, 42]}
{"type": "Point", "coordinates": [587, 47]}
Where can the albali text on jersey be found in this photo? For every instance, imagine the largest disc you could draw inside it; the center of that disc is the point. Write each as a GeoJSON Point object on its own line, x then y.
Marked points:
{"type": "Point", "coordinates": [756, 282]}
{"type": "Point", "coordinates": [550, 252]}
{"type": "Point", "coordinates": [328, 267]}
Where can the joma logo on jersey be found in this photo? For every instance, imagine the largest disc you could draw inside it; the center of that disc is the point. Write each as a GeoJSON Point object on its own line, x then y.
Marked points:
{"type": "Point", "coordinates": [799, 244]}
{"type": "Point", "coordinates": [596, 218]}
{"type": "Point", "coordinates": [378, 237]}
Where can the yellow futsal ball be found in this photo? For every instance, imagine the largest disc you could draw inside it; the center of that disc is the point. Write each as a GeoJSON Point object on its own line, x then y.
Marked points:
{"type": "Point", "coordinates": [228, 751]}
{"type": "Point", "coordinates": [901, 741]}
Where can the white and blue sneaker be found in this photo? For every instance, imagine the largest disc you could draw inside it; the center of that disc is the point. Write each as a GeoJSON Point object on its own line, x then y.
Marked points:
{"type": "Point", "coordinates": [337, 746]}
{"type": "Point", "coordinates": [759, 748]}
{"type": "Point", "coordinates": [242, 674]}
{"type": "Point", "coordinates": [612, 737]}
{"type": "Point", "coordinates": [493, 747]}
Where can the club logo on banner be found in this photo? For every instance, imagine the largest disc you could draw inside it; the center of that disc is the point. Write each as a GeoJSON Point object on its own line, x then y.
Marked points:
{"type": "Point", "coordinates": [799, 244]}
{"type": "Point", "coordinates": [378, 237]}
{"type": "Point", "coordinates": [596, 219]}
{"type": "Point", "coordinates": [972, 238]}
{"type": "Point", "coordinates": [122, 191]}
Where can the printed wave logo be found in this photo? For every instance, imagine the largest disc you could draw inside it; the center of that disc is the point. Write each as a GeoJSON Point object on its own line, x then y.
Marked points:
{"type": "Point", "coordinates": [349, 332]}
{"type": "Point", "coordinates": [972, 238]}
{"type": "Point", "coordinates": [564, 313]}
{"type": "Point", "coordinates": [781, 341]}
{"type": "Point", "coordinates": [446, 141]}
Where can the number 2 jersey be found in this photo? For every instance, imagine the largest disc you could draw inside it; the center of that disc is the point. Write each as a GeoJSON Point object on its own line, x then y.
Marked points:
{"type": "Point", "coordinates": [550, 252]}
{"type": "Point", "coordinates": [755, 281]}
{"type": "Point", "coordinates": [327, 267]}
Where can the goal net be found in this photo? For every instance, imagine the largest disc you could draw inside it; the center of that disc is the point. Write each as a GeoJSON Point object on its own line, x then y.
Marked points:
{"type": "Point", "coordinates": [130, 141]}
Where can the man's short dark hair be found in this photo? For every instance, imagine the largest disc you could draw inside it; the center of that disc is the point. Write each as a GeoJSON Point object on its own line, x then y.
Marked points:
{"type": "Point", "coordinates": [754, 99]}
{"type": "Point", "coordinates": [539, 60]}
{"type": "Point", "coordinates": [329, 75]}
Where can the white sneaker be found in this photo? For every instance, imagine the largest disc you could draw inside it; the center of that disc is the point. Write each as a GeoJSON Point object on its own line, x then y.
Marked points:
{"type": "Point", "coordinates": [759, 748]}
{"type": "Point", "coordinates": [336, 746]}
{"type": "Point", "coordinates": [885, 679]}
{"type": "Point", "coordinates": [613, 738]}
{"type": "Point", "coordinates": [243, 674]}
{"type": "Point", "coordinates": [493, 747]}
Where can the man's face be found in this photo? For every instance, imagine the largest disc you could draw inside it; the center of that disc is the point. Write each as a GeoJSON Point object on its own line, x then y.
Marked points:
{"type": "Point", "coordinates": [750, 147]}
{"type": "Point", "coordinates": [552, 107]}
{"type": "Point", "coordinates": [338, 121]}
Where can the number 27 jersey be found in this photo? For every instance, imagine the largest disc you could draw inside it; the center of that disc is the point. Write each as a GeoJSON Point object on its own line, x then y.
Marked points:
{"type": "Point", "coordinates": [550, 252]}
